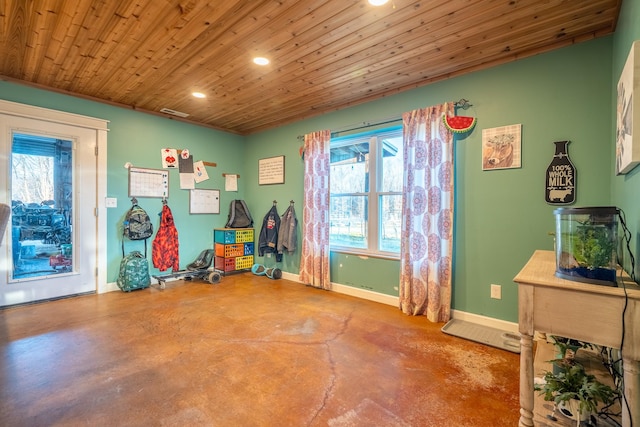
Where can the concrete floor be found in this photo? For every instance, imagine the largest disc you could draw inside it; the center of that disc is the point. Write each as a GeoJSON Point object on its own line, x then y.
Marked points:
{"type": "Point", "coordinates": [249, 351]}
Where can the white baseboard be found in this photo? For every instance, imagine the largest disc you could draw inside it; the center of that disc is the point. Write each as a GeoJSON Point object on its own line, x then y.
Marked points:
{"type": "Point", "coordinates": [485, 321]}
{"type": "Point", "coordinates": [291, 276]}
{"type": "Point", "coordinates": [365, 294]}
{"type": "Point", "coordinates": [108, 287]}
{"type": "Point", "coordinates": [113, 286]}
{"type": "Point", "coordinates": [395, 302]}
{"type": "Point", "coordinates": [350, 290]}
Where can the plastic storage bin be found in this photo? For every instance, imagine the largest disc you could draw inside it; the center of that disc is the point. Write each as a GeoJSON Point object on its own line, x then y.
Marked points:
{"type": "Point", "coordinates": [244, 235]}
{"type": "Point", "coordinates": [234, 248]}
{"type": "Point", "coordinates": [586, 242]}
{"type": "Point", "coordinates": [224, 236]}
{"type": "Point", "coordinates": [231, 250]}
{"type": "Point", "coordinates": [225, 264]}
{"type": "Point", "coordinates": [244, 262]}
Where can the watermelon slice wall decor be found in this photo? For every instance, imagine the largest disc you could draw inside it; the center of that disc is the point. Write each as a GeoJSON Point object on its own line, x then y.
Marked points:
{"type": "Point", "coordinates": [459, 124]}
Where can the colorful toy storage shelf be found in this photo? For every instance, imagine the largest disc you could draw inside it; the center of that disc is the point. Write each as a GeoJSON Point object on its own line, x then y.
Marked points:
{"type": "Point", "coordinates": [234, 249]}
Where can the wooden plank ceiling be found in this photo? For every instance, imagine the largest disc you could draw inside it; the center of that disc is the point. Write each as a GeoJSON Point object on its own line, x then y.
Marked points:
{"type": "Point", "coordinates": [325, 55]}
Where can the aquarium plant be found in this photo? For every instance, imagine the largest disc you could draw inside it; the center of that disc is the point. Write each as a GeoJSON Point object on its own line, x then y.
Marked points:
{"type": "Point", "coordinates": [593, 245]}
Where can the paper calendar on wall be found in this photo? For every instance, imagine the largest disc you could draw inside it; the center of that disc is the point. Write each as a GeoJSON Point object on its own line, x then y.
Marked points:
{"type": "Point", "coordinates": [148, 182]}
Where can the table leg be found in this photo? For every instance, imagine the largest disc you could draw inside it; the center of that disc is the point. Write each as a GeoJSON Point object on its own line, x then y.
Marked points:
{"type": "Point", "coordinates": [631, 409]}
{"type": "Point", "coordinates": [526, 380]}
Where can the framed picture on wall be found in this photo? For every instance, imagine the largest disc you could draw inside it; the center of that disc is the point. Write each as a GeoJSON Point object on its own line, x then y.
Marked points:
{"type": "Point", "coordinates": [501, 147]}
{"type": "Point", "coordinates": [628, 113]}
{"type": "Point", "coordinates": [271, 170]}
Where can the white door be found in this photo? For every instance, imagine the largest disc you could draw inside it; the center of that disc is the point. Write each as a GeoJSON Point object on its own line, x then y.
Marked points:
{"type": "Point", "coordinates": [51, 244]}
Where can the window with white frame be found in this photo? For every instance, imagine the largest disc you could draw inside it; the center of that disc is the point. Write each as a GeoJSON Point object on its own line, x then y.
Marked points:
{"type": "Point", "coordinates": [366, 192]}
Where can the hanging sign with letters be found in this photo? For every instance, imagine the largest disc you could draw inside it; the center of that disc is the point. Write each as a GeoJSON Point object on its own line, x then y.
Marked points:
{"type": "Point", "coordinates": [560, 184]}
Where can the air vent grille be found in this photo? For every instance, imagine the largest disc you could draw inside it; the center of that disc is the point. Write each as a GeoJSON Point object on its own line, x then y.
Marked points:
{"type": "Point", "coordinates": [174, 112]}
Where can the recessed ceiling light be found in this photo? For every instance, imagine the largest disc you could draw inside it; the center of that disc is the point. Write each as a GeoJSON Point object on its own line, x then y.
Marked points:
{"type": "Point", "coordinates": [260, 60]}
{"type": "Point", "coordinates": [377, 2]}
{"type": "Point", "coordinates": [199, 94]}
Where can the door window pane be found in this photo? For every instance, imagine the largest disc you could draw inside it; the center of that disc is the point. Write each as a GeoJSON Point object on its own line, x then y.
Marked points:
{"type": "Point", "coordinates": [41, 202]}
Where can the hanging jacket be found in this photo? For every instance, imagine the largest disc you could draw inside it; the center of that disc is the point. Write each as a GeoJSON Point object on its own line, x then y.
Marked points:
{"type": "Point", "coordinates": [268, 239]}
{"type": "Point", "coordinates": [288, 232]}
{"type": "Point", "coordinates": [164, 251]}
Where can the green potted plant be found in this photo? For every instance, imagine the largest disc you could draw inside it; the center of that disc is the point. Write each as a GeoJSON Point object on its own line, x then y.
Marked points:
{"type": "Point", "coordinates": [575, 392]}
{"type": "Point", "coordinates": [566, 348]}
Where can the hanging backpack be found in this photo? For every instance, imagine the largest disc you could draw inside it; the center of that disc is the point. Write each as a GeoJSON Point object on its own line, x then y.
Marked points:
{"type": "Point", "coordinates": [134, 272]}
{"type": "Point", "coordinates": [137, 225]}
{"type": "Point", "coordinates": [239, 216]}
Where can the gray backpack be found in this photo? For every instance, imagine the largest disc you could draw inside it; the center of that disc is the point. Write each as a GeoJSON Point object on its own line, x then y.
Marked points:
{"type": "Point", "coordinates": [137, 224]}
{"type": "Point", "coordinates": [239, 215]}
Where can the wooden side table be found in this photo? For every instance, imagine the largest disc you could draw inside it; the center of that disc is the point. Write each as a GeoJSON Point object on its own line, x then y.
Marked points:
{"type": "Point", "coordinates": [586, 312]}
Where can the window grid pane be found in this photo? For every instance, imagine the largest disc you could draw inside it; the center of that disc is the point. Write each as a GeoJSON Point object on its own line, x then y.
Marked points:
{"type": "Point", "coordinates": [349, 168]}
{"type": "Point", "coordinates": [392, 164]}
{"type": "Point", "coordinates": [348, 226]}
{"type": "Point", "coordinates": [366, 178]}
{"type": "Point", "coordinates": [390, 222]}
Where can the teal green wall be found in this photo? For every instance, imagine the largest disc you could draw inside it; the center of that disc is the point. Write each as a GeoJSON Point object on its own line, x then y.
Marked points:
{"type": "Point", "coordinates": [138, 138]}
{"type": "Point", "coordinates": [354, 270]}
{"type": "Point", "coordinates": [625, 189]}
{"type": "Point", "coordinates": [501, 215]}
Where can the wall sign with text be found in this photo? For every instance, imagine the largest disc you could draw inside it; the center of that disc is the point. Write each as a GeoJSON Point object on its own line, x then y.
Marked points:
{"type": "Point", "coordinates": [560, 180]}
{"type": "Point", "coordinates": [271, 170]}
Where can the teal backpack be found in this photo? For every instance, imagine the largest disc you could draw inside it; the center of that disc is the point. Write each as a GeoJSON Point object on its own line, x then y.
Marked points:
{"type": "Point", "coordinates": [134, 272]}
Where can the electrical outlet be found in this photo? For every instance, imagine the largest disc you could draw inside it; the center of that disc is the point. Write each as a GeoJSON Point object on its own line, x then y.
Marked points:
{"type": "Point", "coordinates": [496, 291]}
{"type": "Point", "coordinates": [110, 202]}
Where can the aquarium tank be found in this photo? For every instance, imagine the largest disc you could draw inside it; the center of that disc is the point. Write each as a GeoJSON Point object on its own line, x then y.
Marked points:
{"type": "Point", "coordinates": [586, 242]}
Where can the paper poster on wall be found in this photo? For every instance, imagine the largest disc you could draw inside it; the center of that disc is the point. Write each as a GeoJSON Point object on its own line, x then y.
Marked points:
{"type": "Point", "coordinates": [169, 158]}
{"type": "Point", "coordinates": [230, 182]}
{"type": "Point", "coordinates": [199, 172]}
{"type": "Point", "coordinates": [186, 181]}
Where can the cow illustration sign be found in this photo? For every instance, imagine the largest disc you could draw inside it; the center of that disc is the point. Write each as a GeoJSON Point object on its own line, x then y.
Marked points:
{"type": "Point", "coordinates": [560, 185]}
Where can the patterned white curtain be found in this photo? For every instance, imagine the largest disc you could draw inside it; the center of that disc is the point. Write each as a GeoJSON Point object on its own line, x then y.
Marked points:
{"type": "Point", "coordinates": [314, 262]}
{"type": "Point", "coordinates": [426, 247]}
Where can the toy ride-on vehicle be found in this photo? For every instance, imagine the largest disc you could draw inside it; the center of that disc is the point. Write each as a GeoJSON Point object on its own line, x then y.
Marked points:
{"type": "Point", "coordinates": [198, 269]}
{"type": "Point", "coordinates": [61, 261]}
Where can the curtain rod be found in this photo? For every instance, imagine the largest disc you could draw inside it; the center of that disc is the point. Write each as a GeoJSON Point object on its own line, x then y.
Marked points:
{"type": "Point", "coordinates": [362, 125]}
{"type": "Point", "coordinates": [463, 103]}
{"type": "Point", "coordinates": [365, 125]}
